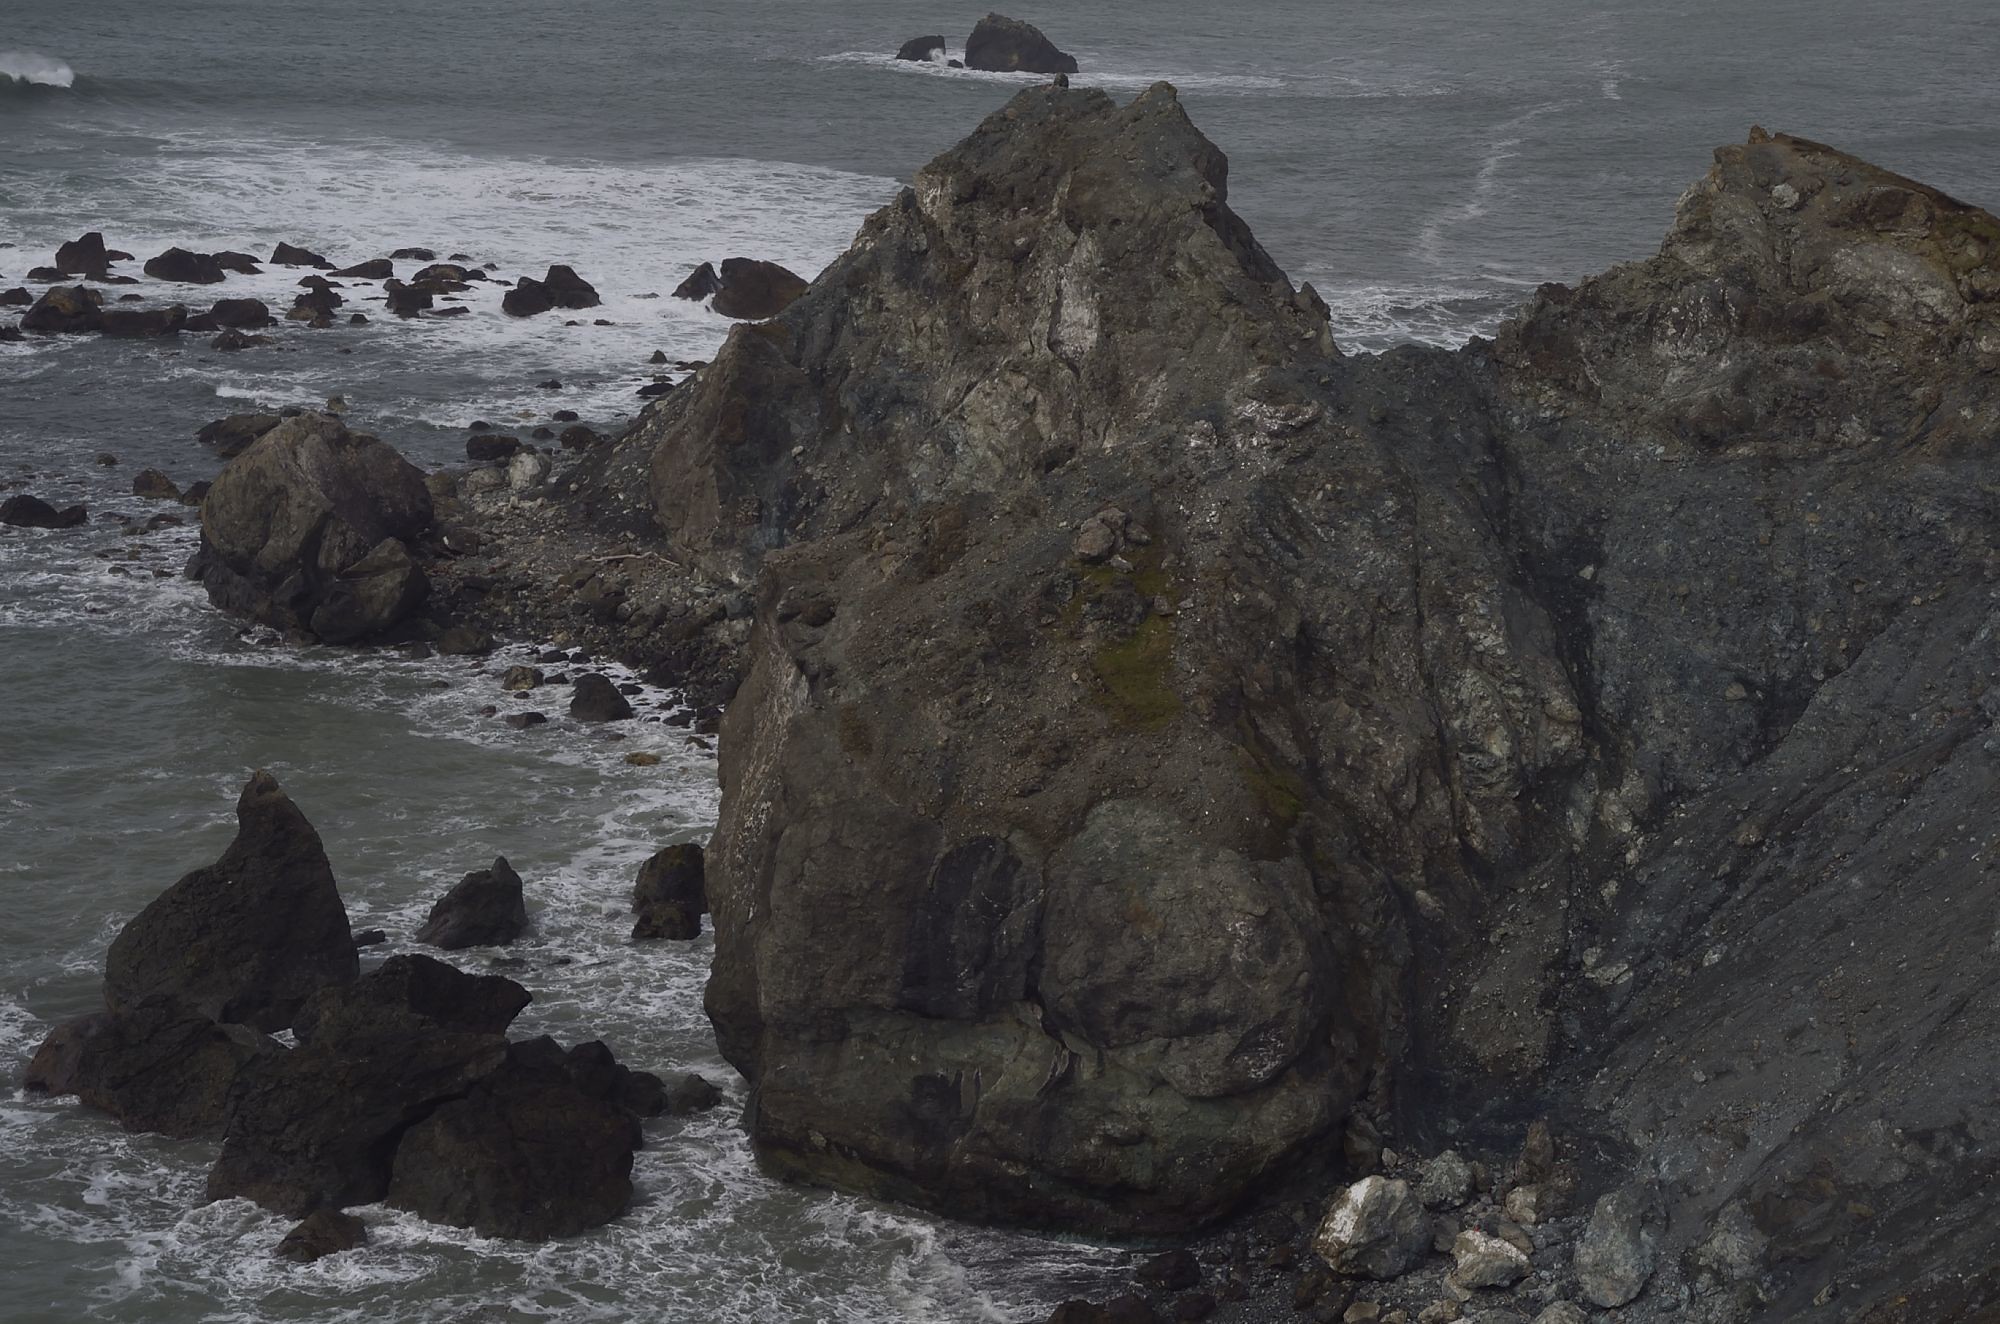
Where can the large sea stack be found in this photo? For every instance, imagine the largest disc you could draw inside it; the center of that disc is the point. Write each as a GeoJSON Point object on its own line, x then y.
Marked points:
{"type": "Point", "coordinates": [1163, 734]}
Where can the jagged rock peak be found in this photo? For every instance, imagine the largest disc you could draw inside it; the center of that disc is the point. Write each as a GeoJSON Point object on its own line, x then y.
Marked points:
{"type": "Point", "coordinates": [1068, 278]}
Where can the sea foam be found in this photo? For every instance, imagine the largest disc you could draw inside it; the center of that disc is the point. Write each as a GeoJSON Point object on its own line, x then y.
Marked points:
{"type": "Point", "coordinates": [28, 67]}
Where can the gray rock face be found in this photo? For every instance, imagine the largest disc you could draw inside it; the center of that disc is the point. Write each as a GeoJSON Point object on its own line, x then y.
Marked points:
{"type": "Point", "coordinates": [1377, 1228]}
{"type": "Point", "coordinates": [247, 939]}
{"type": "Point", "coordinates": [311, 527]}
{"type": "Point", "coordinates": [1481, 719]}
{"type": "Point", "coordinates": [1619, 1247]}
{"type": "Point", "coordinates": [1007, 45]}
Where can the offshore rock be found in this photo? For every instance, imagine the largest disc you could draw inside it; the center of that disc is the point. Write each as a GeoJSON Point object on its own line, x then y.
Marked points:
{"type": "Point", "coordinates": [1090, 983]}
{"type": "Point", "coordinates": [69, 309]}
{"type": "Point", "coordinates": [700, 283]}
{"type": "Point", "coordinates": [921, 48]}
{"type": "Point", "coordinates": [295, 532]}
{"type": "Point", "coordinates": [1472, 723]}
{"type": "Point", "coordinates": [416, 985]}
{"type": "Point", "coordinates": [670, 896]}
{"type": "Point", "coordinates": [154, 1067]}
{"type": "Point", "coordinates": [1007, 45]}
{"type": "Point", "coordinates": [24, 511]}
{"type": "Point", "coordinates": [291, 255]}
{"type": "Point", "coordinates": [87, 256]}
{"type": "Point", "coordinates": [485, 908]}
{"type": "Point", "coordinates": [753, 290]}
{"type": "Point", "coordinates": [247, 939]}
{"type": "Point", "coordinates": [529, 1153]}
{"type": "Point", "coordinates": [184, 267]}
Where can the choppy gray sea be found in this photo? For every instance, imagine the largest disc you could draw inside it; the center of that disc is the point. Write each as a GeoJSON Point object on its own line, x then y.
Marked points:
{"type": "Point", "coordinates": [1423, 163]}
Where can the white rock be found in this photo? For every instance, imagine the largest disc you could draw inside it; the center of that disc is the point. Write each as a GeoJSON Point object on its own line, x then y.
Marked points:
{"type": "Point", "coordinates": [1480, 1259]}
{"type": "Point", "coordinates": [1378, 1228]}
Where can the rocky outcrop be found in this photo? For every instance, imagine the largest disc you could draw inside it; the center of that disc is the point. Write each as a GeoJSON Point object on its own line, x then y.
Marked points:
{"type": "Point", "coordinates": [155, 1067]}
{"type": "Point", "coordinates": [670, 896]}
{"type": "Point", "coordinates": [247, 939]}
{"type": "Point", "coordinates": [700, 283]}
{"type": "Point", "coordinates": [380, 268]}
{"type": "Point", "coordinates": [310, 530]}
{"type": "Point", "coordinates": [926, 49]}
{"type": "Point", "coordinates": [753, 290]}
{"type": "Point", "coordinates": [186, 268]}
{"type": "Point", "coordinates": [485, 908]}
{"type": "Point", "coordinates": [291, 255]}
{"type": "Point", "coordinates": [1161, 731]}
{"type": "Point", "coordinates": [71, 309]}
{"type": "Point", "coordinates": [1007, 45]}
{"type": "Point", "coordinates": [87, 256]}
{"type": "Point", "coordinates": [420, 986]}
{"type": "Point", "coordinates": [561, 287]}
{"type": "Point", "coordinates": [24, 511]}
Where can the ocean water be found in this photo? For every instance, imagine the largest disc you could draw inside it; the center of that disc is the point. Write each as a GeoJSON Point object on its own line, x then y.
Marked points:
{"type": "Point", "coordinates": [1424, 164]}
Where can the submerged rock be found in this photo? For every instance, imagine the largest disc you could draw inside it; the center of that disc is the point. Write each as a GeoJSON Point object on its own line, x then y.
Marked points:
{"type": "Point", "coordinates": [295, 532]}
{"type": "Point", "coordinates": [1007, 45]}
{"type": "Point", "coordinates": [561, 287]}
{"type": "Point", "coordinates": [324, 1232]}
{"type": "Point", "coordinates": [247, 939]}
{"type": "Point", "coordinates": [486, 908]}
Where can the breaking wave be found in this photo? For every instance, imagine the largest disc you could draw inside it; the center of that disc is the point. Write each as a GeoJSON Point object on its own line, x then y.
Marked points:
{"type": "Point", "coordinates": [28, 67]}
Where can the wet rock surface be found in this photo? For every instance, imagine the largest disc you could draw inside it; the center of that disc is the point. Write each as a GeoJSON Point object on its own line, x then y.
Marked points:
{"type": "Point", "coordinates": [402, 1084]}
{"type": "Point", "coordinates": [1520, 707]}
{"type": "Point", "coordinates": [670, 896]}
{"type": "Point", "coordinates": [485, 908]}
{"type": "Point", "coordinates": [247, 939]}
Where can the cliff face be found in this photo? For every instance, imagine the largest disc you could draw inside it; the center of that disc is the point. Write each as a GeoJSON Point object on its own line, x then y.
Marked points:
{"type": "Point", "coordinates": [1163, 735]}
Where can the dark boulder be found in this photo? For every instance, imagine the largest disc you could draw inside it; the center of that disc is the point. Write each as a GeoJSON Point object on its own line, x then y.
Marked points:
{"type": "Point", "coordinates": [753, 290]}
{"type": "Point", "coordinates": [315, 304]}
{"type": "Point", "coordinates": [527, 1155]}
{"type": "Point", "coordinates": [67, 309]}
{"type": "Point", "coordinates": [578, 437]}
{"type": "Point", "coordinates": [46, 275]}
{"type": "Point", "coordinates": [241, 264]}
{"type": "Point", "coordinates": [921, 48]}
{"type": "Point", "coordinates": [528, 298]}
{"type": "Point", "coordinates": [491, 446]}
{"type": "Point", "coordinates": [406, 300]}
{"type": "Point", "coordinates": [299, 520]}
{"type": "Point", "coordinates": [142, 323]}
{"type": "Point", "coordinates": [186, 268]}
{"type": "Point", "coordinates": [155, 1067]}
{"type": "Point", "coordinates": [380, 268]}
{"type": "Point", "coordinates": [1007, 45]}
{"type": "Point", "coordinates": [155, 486]}
{"type": "Point", "coordinates": [700, 283]}
{"type": "Point", "coordinates": [670, 896]}
{"type": "Point", "coordinates": [318, 1127]}
{"type": "Point", "coordinates": [240, 313]}
{"type": "Point", "coordinates": [414, 985]}
{"type": "Point", "coordinates": [689, 1093]}
{"type": "Point", "coordinates": [290, 255]}
{"type": "Point", "coordinates": [194, 492]}
{"type": "Point", "coordinates": [248, 938]}
{"type": "Point", "coordinates": [87, 256]}
{"type": "Point", "coordinates": [561, 287]}
{"type": "Point", "coordinates": [486, 908]}
{"type": "Point", "coordinates": [596, 699]}
{"type": "Point", "coordinates": [232, 436]}
{"type": "Point", "coordinates": [324, 1232]}
{"type": "Point", "coordinates": [31, 512]}
{"type": "Point", "coordinates": [447, 277]}
{"type": "Point", "coordinates": [413, 255]}
{"type": "Point", "coordinates": [18, 297]}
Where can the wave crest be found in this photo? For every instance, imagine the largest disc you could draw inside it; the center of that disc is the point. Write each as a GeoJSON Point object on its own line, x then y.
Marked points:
{"type": "Point", "coordinates": [28, 67]}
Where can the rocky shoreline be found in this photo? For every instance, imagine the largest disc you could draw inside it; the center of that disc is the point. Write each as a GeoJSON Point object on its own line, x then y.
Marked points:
{"type": "Point", "coordinates": [1414, 830]}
